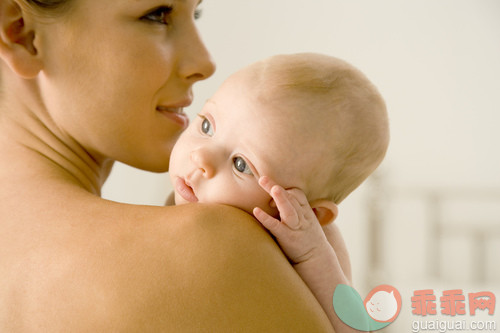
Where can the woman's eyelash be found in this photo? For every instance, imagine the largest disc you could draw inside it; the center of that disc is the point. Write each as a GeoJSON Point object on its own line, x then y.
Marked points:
{"type": "Point", "coordinates": [197, 14]}
{"type": "Point", "coordinates": [158, 15]}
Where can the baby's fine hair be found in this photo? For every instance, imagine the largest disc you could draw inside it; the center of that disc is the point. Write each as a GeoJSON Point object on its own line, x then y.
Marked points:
{"type": "Point", "coordinates": [351, 117]}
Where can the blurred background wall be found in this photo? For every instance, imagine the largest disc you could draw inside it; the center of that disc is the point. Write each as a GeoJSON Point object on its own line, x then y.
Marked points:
{"type": "Point", "coordinates": [430, 217]}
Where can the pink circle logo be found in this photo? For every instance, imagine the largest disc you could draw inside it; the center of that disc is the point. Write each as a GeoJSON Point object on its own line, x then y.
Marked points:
{"type": "Point", "coordinates": [383, 303]}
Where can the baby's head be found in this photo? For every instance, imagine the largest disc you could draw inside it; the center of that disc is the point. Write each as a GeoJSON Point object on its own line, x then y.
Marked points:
{"type": "Point", "coordinates": [308, 121]}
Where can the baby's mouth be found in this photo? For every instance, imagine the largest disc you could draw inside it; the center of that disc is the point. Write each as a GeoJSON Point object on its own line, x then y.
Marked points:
{"type": "Point", "coordinates": [185, 190]}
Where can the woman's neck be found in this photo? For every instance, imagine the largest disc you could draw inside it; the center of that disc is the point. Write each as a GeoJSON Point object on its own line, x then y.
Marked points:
{"type": "Point", "coordinates": [27, 129]}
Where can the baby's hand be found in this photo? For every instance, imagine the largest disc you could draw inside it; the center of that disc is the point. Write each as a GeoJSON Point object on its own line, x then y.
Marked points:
{"type": "Point", "coordinates": [298, 231]}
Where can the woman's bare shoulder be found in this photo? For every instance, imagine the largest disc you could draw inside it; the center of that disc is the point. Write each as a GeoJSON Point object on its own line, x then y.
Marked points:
{"type": "Point", "coordinates": [226, 273]}
{"type": "Point", "coordinates": [183, 268]}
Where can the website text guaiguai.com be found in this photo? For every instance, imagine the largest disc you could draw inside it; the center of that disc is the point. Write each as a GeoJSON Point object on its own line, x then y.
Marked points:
{"type": "Point", "coordinates": [444, 326]}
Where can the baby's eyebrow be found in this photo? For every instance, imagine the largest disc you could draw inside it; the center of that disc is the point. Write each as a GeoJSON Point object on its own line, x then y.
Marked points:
{"type": "Point", "coordinates": [210, 102]}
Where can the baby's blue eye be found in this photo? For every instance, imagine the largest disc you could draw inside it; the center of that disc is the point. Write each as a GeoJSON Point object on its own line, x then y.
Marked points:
{"type": "Point", "coordinates": [241, 166]}
{"type": "Point", "coordinates": [206, 127]}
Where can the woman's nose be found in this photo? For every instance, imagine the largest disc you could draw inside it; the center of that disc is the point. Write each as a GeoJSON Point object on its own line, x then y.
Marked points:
{"type": "Point", "coordinates": [195, 63]}
{"type": "Point", "coordinates": [203, 161]}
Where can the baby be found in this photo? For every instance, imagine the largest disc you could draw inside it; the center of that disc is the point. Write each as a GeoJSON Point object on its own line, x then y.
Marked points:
{"type": "Point", "coordinates": [287, 139]}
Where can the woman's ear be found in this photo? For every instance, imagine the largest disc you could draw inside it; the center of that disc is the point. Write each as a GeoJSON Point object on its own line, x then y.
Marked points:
{"type": "Point", "coordinates": [326, 211]}
{"type": "Point", "coordinates": [17, 40]}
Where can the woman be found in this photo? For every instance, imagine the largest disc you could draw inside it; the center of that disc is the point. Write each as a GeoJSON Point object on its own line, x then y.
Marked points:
{"type": "Point", "coordinates": [85, 83]}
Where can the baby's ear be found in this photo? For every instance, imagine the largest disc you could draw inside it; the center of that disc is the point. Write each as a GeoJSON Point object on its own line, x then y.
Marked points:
{"type": "Point", "coordinates": [17, 40]}
{"type": "Point", "coordinates": [326, 211]}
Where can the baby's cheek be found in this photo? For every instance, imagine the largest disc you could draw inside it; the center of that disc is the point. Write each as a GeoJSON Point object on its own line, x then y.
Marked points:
{"type": "Point", "coordinates": [247, 199]}
{"type": "Point", "coordinates": [267, 205]}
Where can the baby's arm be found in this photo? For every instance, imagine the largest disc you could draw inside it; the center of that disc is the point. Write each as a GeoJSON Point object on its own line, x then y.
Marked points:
{"type": "Point", "coordinates": [302, 239]}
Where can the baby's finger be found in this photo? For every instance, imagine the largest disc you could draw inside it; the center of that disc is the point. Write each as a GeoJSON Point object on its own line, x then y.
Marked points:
{"type": "Point", "coordinates": [299, 200]}
{"type": "Point", "coordinates": [267, 183]}
{"type": "Point", "coordinates": [286, 208]}
{"type": "Point", "coordinates": [299, 195]}
{"type": "Point", "coordinates": [269, 222]}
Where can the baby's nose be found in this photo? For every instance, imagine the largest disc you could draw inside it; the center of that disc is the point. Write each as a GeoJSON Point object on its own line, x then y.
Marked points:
{"type": "Point", "coordinates": [202, 160]}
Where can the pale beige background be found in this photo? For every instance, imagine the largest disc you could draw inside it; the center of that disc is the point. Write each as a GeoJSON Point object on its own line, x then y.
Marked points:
{"type": "Point", "coordinates": [437, 62]}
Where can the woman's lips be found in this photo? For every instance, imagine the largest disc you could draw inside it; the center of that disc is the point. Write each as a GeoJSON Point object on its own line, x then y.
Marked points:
{"type": "Point", "coordinates": [176, 114]}
{"type": "Point", "coordinates": [184, 190]}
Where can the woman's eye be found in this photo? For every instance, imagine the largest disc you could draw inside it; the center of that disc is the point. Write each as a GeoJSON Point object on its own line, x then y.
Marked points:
{"type": "Point", "coordinates": [206, 127]}
{"type": "Point", "coordinates": [158, 15]}
{"type": "Point", "coordinates": [197, 14]}
{"type": "Point", "coordinates": [241, 166]}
